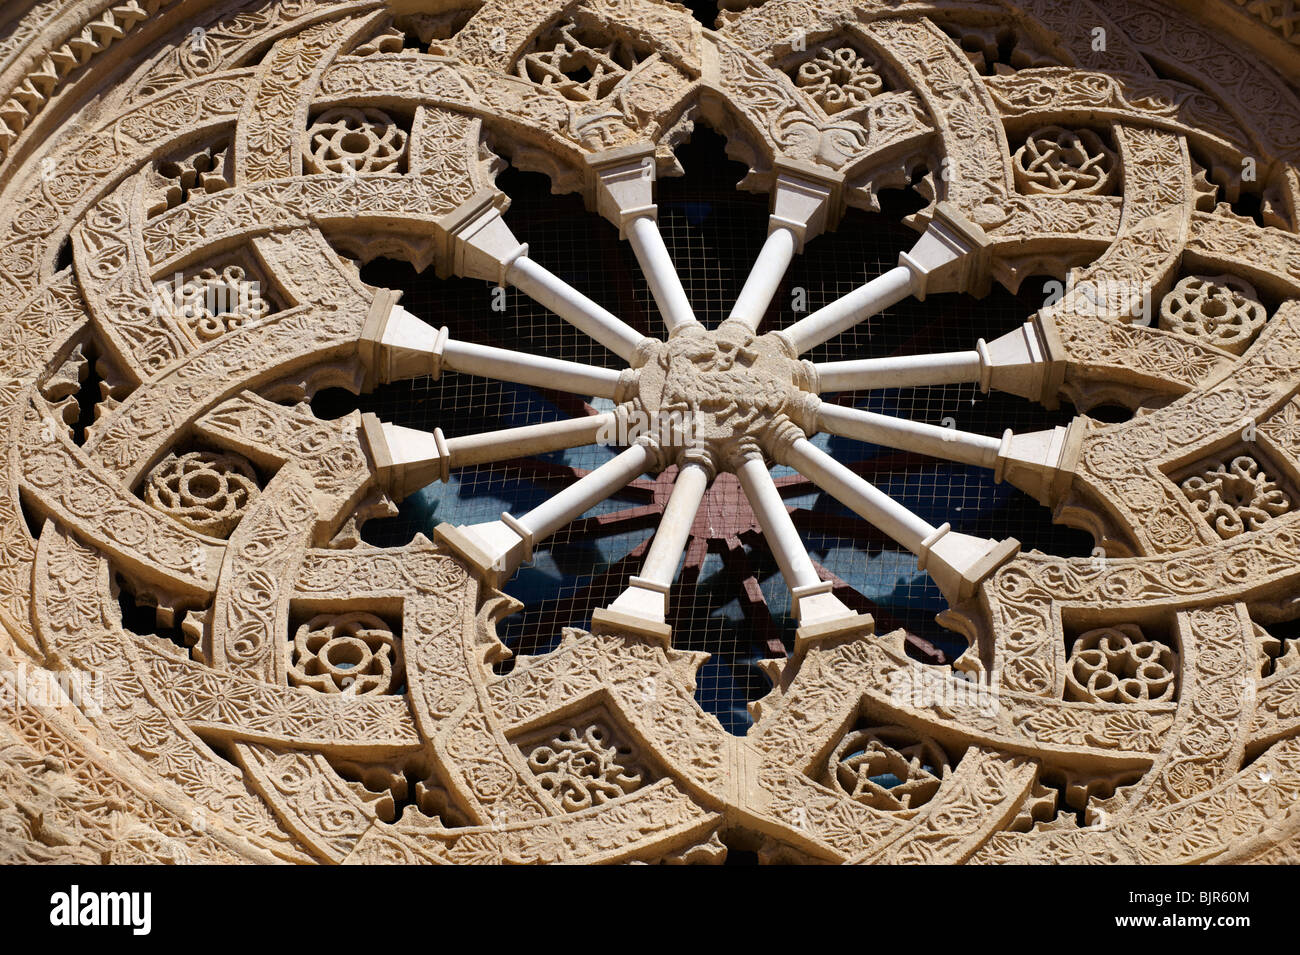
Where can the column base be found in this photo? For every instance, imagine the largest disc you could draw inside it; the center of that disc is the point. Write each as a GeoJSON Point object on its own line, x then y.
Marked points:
{"type": "Point", "coordinates": [640, 608]}
{"type": "Point", "coordinates": [493, 550]}
{"type": "Point", "coordinates": [405, 459]}
{"type": "Point", "coordinates": [475, 240]}
{"type": "Point", "coordinates": [613, 622]}
{"type": "Point", "coordinates": [959, 563]}
{"type": "Point", "coordinates": [807, 199]}
{"type": "Point", "coordinates": [814, 634]}
{"type": "Point", "coordinates": [1041, 463]}
{"type": "Point", "coordinates": [1026, 361]}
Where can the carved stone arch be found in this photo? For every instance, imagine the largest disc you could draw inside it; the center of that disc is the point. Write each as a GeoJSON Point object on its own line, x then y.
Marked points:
{"type": "Point", "coordinates": [188, 526]}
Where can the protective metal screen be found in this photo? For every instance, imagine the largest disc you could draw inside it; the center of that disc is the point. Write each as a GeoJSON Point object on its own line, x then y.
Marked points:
{"type": "Point", "coordinates": [729, 599]}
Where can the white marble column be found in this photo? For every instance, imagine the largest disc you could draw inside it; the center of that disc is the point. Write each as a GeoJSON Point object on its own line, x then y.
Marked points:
{"type": "Point", "coordinates": [536, 370]}
{"type": "Point", "coordinates": [622, 180]}
{"type": "Point", "coordinates": [934, 440]}
{"type": "Point", "coordinates": [846, 311]}
{"type": "Point", "coordinates": [660, 273]}
{"type": "Point", "coordinates": [903, 371]}
{"type": "Point", "coordinates": [958, 563]}
{"type": "Point", "coordinates": [642, 607]}
{"type": "Point", "coordinates": [1040, 463]}
{"type": "Point", "coordinates": [495, 549]}
{"type": "Point", "coordinates": [575, 308]}
{"type": "Point", "coordinates": [407, 459]}
{"type": "Point", "coordinates": [805, 201]}
{"type": "Point", "coordinates": [764, 278]}
{"type": "Point", "coordinates": [818, 611]}
{"type": "Point", "coordinates": [950, 256]}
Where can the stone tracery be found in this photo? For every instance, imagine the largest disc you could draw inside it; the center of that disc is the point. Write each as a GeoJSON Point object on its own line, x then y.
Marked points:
{"type": "Point", "coordinates": [292, 666]}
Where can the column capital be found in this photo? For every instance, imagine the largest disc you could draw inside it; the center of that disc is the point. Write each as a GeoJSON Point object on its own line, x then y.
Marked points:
{"type": "Point", "coordinates": [405, 459]}
{"type": "Point", "coordinates": [827, 631]}
{"type": "Point", "coordinates": [790, 426]}
{"type": "Point", "coordinates": [742, 451]}
{"type": "Point", "coordinates": [621, 182]}
{"type": "Point", "coordinates": [951, 256]}
{"type": "Point", "coordinates": [702, 457]}
{"type": "Point", "coordinates": [822, 616]}
{"type": "Point", "coordinates": [477, 243]}
{"type": "Point", "coordinates": [806, 199]}
{"type": "Point", "coordinates": [396, 345]}
{"type": "Point", "coordinates": [659, 455]}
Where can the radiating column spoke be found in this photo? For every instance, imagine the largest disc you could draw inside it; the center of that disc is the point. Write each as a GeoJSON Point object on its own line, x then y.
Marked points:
{"type": "Point", "coordinates": [1037, 462]}
{"type": "Point", "coordinates": [915, 436]}
{"type": "Point", "coordinates": [950, 256]}
{"type": "Point", "coordinates": [407, 459]}
{"type": "Point", "coordinates": [660, 273]}
{"type": "Point", "coordinates": [848, 310]}
{"type": "Point", "coordinates": [817, 609]}
{"type": "Point", "coordinates": [485, 248]}
{"type": "Point", "coordinates": [496, 548]}
{"type": "Point", "coordinates": [1020, 362]}
{"type": "Point", "coordinates": [624, 180]}
{"type": "Point", "coordinates": [397, 345]}
{"type": "Point", "coordinates": [539, 371]}
{"type": "Point", "coordinates": [956, 562]}
{"type": "Point", "coordinates": [804, 201]}
{"type": "Point", "coordinates": [642, 607]}
{"type": "Point", "coordinates": [901, 371]}
{"type": "Point", "coordinates": [577, 309]}
{"type": "Point", "coordinates": [764, 278]}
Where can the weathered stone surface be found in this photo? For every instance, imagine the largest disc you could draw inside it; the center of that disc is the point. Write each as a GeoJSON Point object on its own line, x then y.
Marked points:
{"type": "Point", "coordinates": [165, 230]}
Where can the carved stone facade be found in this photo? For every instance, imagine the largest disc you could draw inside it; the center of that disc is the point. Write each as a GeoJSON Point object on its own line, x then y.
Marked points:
{"type": "Point", "coordinates": [182, 190]}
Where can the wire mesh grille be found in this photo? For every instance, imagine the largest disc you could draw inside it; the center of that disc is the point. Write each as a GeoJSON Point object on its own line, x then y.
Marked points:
{"type": "Point", "coordinates": [730, 599]}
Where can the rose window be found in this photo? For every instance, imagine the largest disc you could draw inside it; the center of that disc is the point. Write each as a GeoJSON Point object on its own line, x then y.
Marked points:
{"type": "Point", "coordinates": [794, 432]}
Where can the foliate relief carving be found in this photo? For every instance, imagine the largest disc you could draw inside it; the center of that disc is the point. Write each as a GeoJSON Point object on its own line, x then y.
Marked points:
{"type": "Point", "coordinates": [1000, 49]}
{"type": "Point", "coordinates": [349, 140]}
{"type": "Point", "coordinates": [584, 763]}
{"type": "Point", "coordinates": [719, 392]}
{"type": "Point", "coordinates": [201, 155]}
{"type": "Point", "coordinates": [958, 103]}
{"type": "Point", "coordinates": [578, 62]}
{"type": "Point", "coordinates": [204, 490]}
{"type": "Point", "coordinates": [1283, 430]}
{"type": "Point", "coordinates": [1221, 310]}
{"type": "Point", "coordinates": [174, 180]}
{"type": "Point", "coordinates": [888, 767]}
{"type": "Point", "coordinates": [94, 35]}
{"type": "Point", "coordinates": [355, 654]}
{"type": "Point", "coordinates": [1120, 665]}
{"type": "Point", "coordinates": [839, 78]}
{"type": "Point", "coordinates": [1223, 64]}
{"type": "Point", "coordinates": [1235, 495]}
{"type": "Point", "coordinates": [1056, 161]}
{"type": "Point", "coordinates": [1281, 16]}
{"type": "Point", "coordinates": [225, 41]}
{"type": "Point", "coordinates": [268, 144]}
{"type": "Point", "coordinates": [214, 302]}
